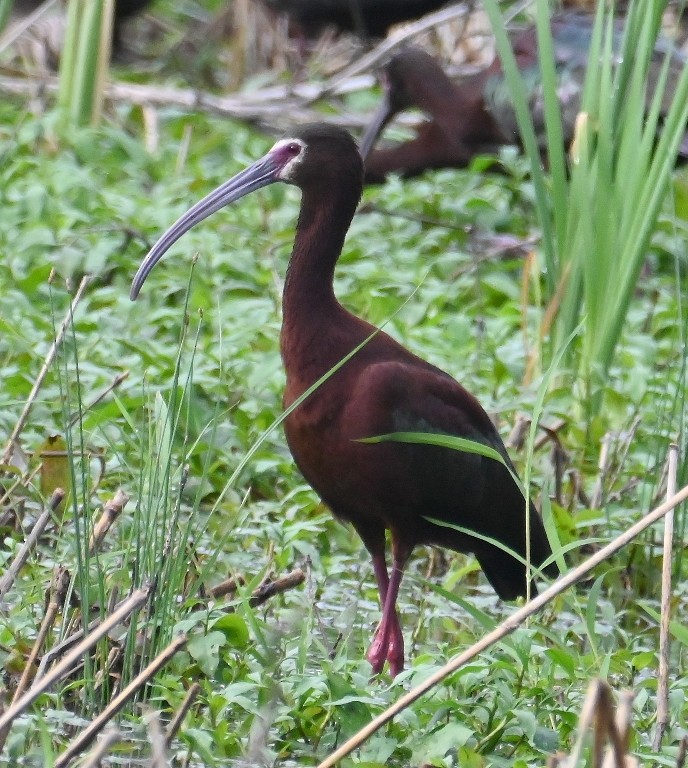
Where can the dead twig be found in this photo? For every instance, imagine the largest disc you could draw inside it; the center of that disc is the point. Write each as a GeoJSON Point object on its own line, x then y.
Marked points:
{"type": "Point", "coordinates": [126, 607]}
{"type": "Point", "coordinates": [264, 591]}
{"type": "Point", "coordinates": [68, 319]}
{"type": "Point", "coordinates": [665, 610]}
{"type": "Point", "coordinates": [58, 593]}
{"type": "Point", "coordinates": [88, 734]}
{"type": "Point", "coordinates": [271, 588]}
{"type": "Point", "coordinates": [508, 626]}
{"type": "Point", "coordinates": [119, 378]}
{"type": "Point", "coordinates": [179, 716]}
{"type": "Point", "coordinates": [267, 106]}
{"type": "Point", "coordinates": [602, 471]}
{"type": "Point", "coordinates": [31, 541]}
{"type": "Point", "coordinates": [74, 637]}
{"type": "Point", "coordinates": [94, 757]}
{"type": "Point", "coordinates": [12, 34]}
{"type": "Point", "coordinates": [111, 511]}
{"type": "Point", "coordinates": [157, 739]}
{"type": "Point", "coordinates": [227, 587]}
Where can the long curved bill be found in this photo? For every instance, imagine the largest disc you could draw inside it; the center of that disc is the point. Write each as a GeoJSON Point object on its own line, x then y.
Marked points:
{"type": "Point", "coordinates": [259, 174]}
{"type": "Point", "coordinates": [383, 114]}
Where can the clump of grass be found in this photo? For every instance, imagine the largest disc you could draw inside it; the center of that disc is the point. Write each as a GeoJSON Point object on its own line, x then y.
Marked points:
{"type": "Point", "coordinates": [598, 210]}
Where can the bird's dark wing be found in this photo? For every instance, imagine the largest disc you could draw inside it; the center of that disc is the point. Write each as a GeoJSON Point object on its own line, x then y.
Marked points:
{"type": "Point", "coordinates": [453, 486]}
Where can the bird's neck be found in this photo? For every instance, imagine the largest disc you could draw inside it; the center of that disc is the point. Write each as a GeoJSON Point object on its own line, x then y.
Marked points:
{"type": "Point", "coordinates": [309, 307]}
{"type": "Point", "coordinates": [320, 232]}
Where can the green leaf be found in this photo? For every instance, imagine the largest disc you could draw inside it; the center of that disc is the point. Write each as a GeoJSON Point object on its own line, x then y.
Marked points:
{"type": "Point", "coordinates": [350, 707]}
{"type": "Point", "coordinates": [205, 650]}
{"type": "Point", "coordinates": [234, 628]}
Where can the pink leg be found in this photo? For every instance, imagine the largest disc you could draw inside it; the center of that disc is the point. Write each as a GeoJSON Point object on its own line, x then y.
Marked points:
{"type": "Point", "coordinates": [388, 642]}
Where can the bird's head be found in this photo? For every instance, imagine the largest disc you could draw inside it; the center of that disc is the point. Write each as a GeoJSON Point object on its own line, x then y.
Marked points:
{"type": "Point", "coordinates": [315, 156]}
{"type": "Point", "coordinates": [404, 79]}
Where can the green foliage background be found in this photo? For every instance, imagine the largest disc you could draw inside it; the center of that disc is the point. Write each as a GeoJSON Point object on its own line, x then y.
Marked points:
{"type": "Point", "coordinates": [286, 682]}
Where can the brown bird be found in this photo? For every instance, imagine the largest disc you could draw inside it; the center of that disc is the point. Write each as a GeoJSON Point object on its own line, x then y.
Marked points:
{"type": "Point", "coordinates": [383, 388]}
{"type": "Point", "coordinates": [460, 125]}
{"type": "Point", "coordinates": [475, 115]}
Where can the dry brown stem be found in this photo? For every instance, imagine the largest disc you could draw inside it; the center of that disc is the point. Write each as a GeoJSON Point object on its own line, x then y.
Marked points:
{"type": "Point", "coordinates": [665, 608]}
{"type": "Point", "coordinates": [31, 541]}
{"type": "Point", "coordinates": [178, 719]}
{"type": "Point", "coordinates": [157, 739]}
{"type": "Point", "coordinates": [94, 757]}
{"type": "Point", "coordinates": [68, 319]}
{"type": "Point", "coordinates": [111, 511]}
{"type": "Point", "coordinates": [88, 734]}
{"type": "Point", "coordinates": [59, 585]}
{"type": "Point", "coordinates": [126, 607]}
{"type": "Point", "coordinates": [271, 588]}
{"type": "Point", "coordinates": [263, 592]}
{"type": "Point", "coordinates": [506, 627]}
{"type": "Point", "coordinates": [57, 596]}
{"type": "Point", "coordinates": [227, 587]}
{"type": "Point", "coordinates": [118, 379]}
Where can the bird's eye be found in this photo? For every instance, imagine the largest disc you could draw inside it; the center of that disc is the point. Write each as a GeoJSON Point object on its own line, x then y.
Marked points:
{"type": "Point", "coordinates": [293, 148]}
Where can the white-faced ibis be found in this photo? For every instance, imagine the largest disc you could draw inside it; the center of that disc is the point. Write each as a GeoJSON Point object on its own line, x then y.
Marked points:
{"type": "Point", "coordinates": [382, 389]}
{"type": "Point", "coordinates": [475, 115]}
{"type": "Point", "coordinates": [367, 18]}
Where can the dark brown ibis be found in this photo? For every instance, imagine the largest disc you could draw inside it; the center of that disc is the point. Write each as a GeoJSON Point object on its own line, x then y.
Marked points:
{"type": "Point", "coordinates": [383, 388]}
{"type": "Point", "coordinates": [475, 115]}
{"type": "Point", "coordinates": [460, 127]}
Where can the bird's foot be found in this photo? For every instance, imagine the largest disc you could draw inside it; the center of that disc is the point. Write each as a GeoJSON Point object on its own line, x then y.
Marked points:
{"type": "Point", "coordinates": [395, 651]}
{"type": "Point", "coordinates": [377, 653]}
{"type": "Point", "coordinates": [387, 645]}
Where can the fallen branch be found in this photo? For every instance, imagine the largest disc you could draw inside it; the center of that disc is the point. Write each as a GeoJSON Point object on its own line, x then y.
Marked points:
{"type": "Point", "coordinates": [508, 626]}
{"type": "Point", "coordinates": [271, 588]}
{"type": "Point", "coordinates": [227, 587]}
{"type": "Point", "coordinates": [264, 591]}
{"type": "Point", "coordinates": [273, 105]}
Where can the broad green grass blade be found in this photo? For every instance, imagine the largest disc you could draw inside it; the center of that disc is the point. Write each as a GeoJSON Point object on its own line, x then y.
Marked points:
{"type": "Point", "coordinates": [85, 59]}
{"type": "Point", "coordinates": [524, 120]}
{"type": "Point", "coordinates": [5, 10]}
